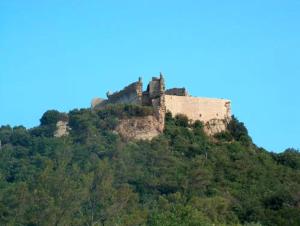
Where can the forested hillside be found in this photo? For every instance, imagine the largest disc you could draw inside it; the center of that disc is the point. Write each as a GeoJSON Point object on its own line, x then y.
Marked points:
{"type": "Point", "coordinates": [181, 178]}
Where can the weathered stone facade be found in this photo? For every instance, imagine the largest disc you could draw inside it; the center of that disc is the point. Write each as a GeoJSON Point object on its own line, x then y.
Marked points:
{"type": "Point", "coordinates": [177, 92]}
{"type": "Point", "coordinates": [198, 108]}
{"type": "Point", "coordinates": [214, 113]}
{"type": "Point", "coordinates": [131, 94]}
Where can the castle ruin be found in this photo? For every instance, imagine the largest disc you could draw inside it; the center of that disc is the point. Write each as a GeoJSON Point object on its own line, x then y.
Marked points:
{"type": "Point", "coordinates": [213, 113]}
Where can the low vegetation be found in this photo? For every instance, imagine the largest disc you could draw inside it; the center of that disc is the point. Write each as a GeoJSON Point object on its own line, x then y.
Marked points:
{"type": "Point", "coordinates": [180, 178]}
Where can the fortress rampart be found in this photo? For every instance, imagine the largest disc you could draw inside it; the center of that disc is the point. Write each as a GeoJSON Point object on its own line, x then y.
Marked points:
{"type": "Point", "coordinates": [130, 94]}
{"type": "Point", "coordinates": [214, 113]}
{"type": "Point", "coordinates": [198, 108]}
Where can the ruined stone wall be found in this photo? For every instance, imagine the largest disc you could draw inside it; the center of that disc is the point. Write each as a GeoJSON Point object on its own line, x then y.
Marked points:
{"type": "Point", "coordinates": [157, 95]}
{"type": "Point", "coordinates": [131, 94]}
{"type": "Point", "coordinates": [154, 88]}
{"type": "Point", "coordinates": [196, 108]}
{"type": "Point", "coordinates": [177, 92]}
{"type": "Point", "coordinates": [214, 113]}
{"type": "Point", "coordinates": [146, 101]}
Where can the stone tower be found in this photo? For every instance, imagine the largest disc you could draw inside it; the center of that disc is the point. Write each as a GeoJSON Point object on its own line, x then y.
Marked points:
{"type": "Point", "coordinates": [156, 92]}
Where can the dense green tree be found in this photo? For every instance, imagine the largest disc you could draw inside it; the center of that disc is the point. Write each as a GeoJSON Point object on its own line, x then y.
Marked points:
{"type": "Point", "coordinates": [180, 178]}
{"type": "Point", "coordinates": [5, 134]}
{"type": "Point", "coordinates": [290, 157]}
{"type": "Point", "coordinates": [52, 117]}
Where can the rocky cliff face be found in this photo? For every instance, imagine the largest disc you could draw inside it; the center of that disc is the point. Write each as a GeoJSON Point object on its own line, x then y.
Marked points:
{"type": "Point", "coordinates": [62, 129]}
{"type": "Point", "coordinates": [144, 128]}
{"type": "Point", "coordinates": [148, 127]}
{"type": "Point", "coordinates": [215, 126]}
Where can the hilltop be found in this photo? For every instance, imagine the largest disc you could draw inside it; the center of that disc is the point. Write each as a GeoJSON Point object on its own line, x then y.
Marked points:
{"type": "Point", "coordinates": [214, 113]}
{"type": "Point", "coordinates": [182, 177]}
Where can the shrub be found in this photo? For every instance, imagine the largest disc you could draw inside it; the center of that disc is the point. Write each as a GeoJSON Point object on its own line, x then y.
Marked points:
{"type": "Point", "coordinates": [198, 124]}
{"type": "Point", "coordinates": [5, 134]}
{"type": "Point", "coordinates": [223, 136]}
{"type": "Point", "coordinates": [181, 120]}
{"type": "Point", "coordinates": [52, 117]}
{"type": "Point", "coordinates": [290, 157]}
{"type": "Point", "coordinates": [125, 110]}
{"type": "Point", "coordinates": [238, 131]}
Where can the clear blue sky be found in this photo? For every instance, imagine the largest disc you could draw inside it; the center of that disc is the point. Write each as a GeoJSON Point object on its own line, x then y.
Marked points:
{"type": "Point", "coordinates": [60, 54]}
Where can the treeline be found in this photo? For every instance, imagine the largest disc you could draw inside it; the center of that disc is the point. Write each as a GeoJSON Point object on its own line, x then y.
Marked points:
{"type": "Point", "coordinates": [181, 178]}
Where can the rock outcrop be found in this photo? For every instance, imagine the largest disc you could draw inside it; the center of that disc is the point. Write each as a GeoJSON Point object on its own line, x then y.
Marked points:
{"type": "Point", "coordinates": [215, 126]}
{"type": "Point", "coordinates": [62, 129]}
{"type": "Point", "coordinates": [144, 128]}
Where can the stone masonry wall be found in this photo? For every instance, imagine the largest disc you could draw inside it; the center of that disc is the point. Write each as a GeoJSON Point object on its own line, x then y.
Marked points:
{"type": "Point", "coordinates": [197, 108]}
{"type": "Point", "coordinates": [214, 113]}
{"type": "Point", "coordinates": [177, 92]}
{"type": "Point", "coordinates": [131, 94]}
